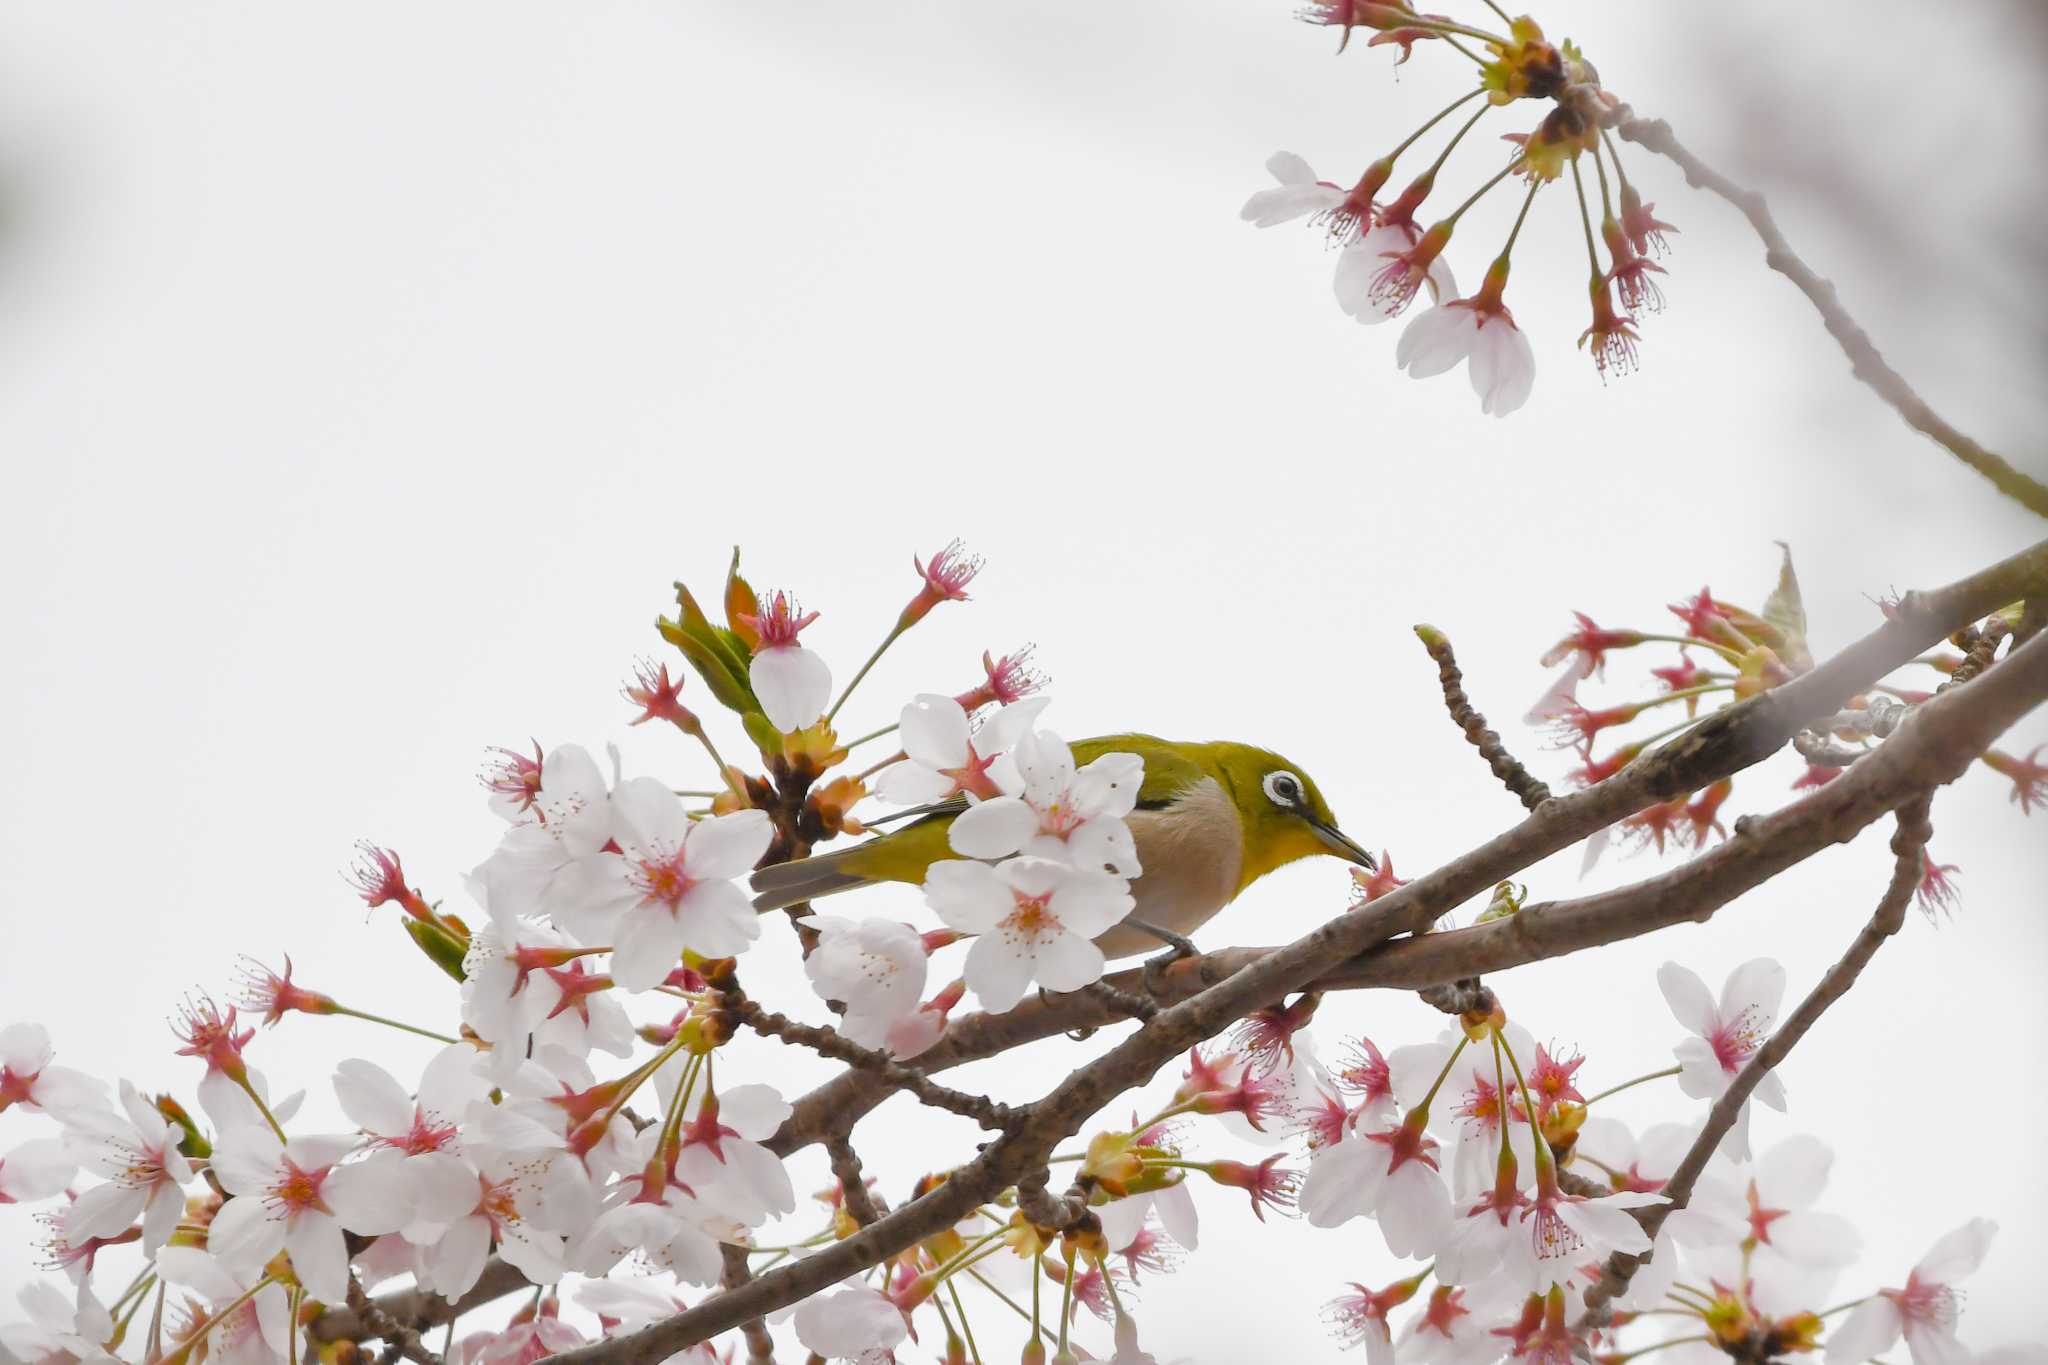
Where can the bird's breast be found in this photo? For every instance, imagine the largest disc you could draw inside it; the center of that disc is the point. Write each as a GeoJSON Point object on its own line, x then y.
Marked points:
{"type": "Point", "coordinates": [1191, 852]}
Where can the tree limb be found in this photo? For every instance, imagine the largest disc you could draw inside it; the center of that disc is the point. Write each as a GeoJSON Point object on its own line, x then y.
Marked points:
{"type": "Point", "coordinates": [1909, 844]}
{"type": "Point", "coordinates": [1864, 360]}
{"type": "Point", "coordinates": [2014, 687]}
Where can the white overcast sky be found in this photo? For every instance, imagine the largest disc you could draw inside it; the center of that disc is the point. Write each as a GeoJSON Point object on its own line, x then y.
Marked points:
{"type": "Point", "coordinates": [368, 372]}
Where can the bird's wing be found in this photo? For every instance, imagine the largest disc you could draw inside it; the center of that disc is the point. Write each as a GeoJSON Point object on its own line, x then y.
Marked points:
{"type": "Point", "coordinates": [1169, 771]}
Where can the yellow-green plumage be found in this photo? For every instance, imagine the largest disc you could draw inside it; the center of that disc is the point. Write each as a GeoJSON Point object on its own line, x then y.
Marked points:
{"type": "Point", "coordinates": [1208, 824]}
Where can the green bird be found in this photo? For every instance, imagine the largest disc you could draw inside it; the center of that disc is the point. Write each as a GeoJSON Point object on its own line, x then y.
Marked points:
{"type": "Point", "coordinates": [1211, 819]}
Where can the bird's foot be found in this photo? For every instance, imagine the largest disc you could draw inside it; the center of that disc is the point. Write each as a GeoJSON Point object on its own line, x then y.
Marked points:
{"type": "Point", "coordinates": [1179, 946]}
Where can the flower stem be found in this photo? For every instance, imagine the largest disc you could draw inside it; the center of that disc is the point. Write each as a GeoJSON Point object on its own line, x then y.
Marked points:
{"type": "Point", "coordinates": [1434, 119]}
{"type": "Point", "coordinates": [393, 1023]}
{"type": "Point", "coordinates": [1545, 1163]}
{"type": "Point", "coordinates": [889, 729]}
{"type": "Point", "coordinates": [1617, 1089]}
{"type": "Point", "coordinates": [177, 1354]}
{"type": "Point", "coordinates": [965, 1330]}
{"type": "Point", "coordinates": [1520, 218]}
{"type": "Point", "coordinates": [732, 783]}
{"type": "Point", "coordinates": [895, 632]}
{"type": "Point", "coordinates": [1586, 220]}
{"type": "Point", "coordinates": [262, 1108]}
{"type": "Point", "coordinates": [1480, 193]}
{"type": "Point", "coordinates": [1441, 1077]}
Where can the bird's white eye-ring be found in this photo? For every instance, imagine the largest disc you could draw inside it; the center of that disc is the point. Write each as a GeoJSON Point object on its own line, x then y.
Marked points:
{"type": "Point", "coordinates": [1283, 789]}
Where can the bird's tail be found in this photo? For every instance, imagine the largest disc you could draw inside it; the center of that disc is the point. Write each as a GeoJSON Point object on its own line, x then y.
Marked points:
{"type": "Point", "coordinates": [806, 879]}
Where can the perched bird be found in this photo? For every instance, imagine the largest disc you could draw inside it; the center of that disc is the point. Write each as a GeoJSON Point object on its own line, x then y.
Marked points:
{"type": "Point", "coordinates": [1211, 819]}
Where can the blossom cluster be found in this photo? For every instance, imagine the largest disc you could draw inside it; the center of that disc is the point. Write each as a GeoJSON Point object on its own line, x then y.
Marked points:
{"type": "Point", "coordinates": [578, 1122]}
{"type": "Point", "coordinates": [1721, 653]}
{"type": "Point", "coordinates": [1387, 256]}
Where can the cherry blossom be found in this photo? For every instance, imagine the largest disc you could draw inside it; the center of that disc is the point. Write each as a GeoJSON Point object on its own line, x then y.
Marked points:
{"type": "Point", "coordinates": [28, 1079]}
{"type": "Point", "coordinates": [568, 818]}
{"type": "Point", "coordinates": [1050, 809]}
{"type": "Point", "coordinates": [1035, 918]}
{"type": "Point", "coordinates": [1497, 356]}
{"type": "Point", "coordinates": [59, 1329]}
{"type": "Point", "coordinates": [37, 1169]}
{"type": "Point", "coordinates": [668, 888]}
{"type": "Point", "coordinates": [793, 684]}
{"type": "Point", "coordinates": [259, 1332]}
{"type": "Point", "coordinates": [466, 1206]}
{"type": "Point", "coordinates": [299, 1197]}
{"type": "Point", "coordinates": [1924, 1311]}
{"type": "Point", "coordinates": [1388, 1174]}
{"type": "Point", "coordinates": [145, 1173]}
{"type": "Point", "coordinates": [720, 1157]}
{"type": "Point", "coordinates": [945, 756]}
{"type": "Point", "coordinates": [1727, 1032]}
{"type": "Point", "coordinates": [850, 1323]}
{"type": "Point", "coordinates": [1297, 195]}
{"type": "Point", "coordinates": [875, 967]}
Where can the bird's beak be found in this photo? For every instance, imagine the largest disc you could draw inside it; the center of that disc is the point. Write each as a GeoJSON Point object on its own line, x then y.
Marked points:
{"type": "Point", "coordinates": [1344, 846]}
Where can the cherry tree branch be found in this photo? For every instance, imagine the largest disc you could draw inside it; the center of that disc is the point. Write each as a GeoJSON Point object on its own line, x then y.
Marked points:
{"type": "Point", "coordinates": [1354, 949]}
{"type": "Point", "coordinates": [1865, 361]}
{"type": "Point", "coordinates": [1943, 738]}
{"type": "Point", "coordinates": [1515, 777]}
{"type": "Point", "coordinates": [1909, 843]}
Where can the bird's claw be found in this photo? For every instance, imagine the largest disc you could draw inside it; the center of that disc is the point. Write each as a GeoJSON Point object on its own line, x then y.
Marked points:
{"type": "Point", "coordinates": [1179, 946]}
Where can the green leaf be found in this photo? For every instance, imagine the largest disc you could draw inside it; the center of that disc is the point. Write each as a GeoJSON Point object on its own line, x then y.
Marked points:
{"type": "Point", "coordinates": [740, 601]}
{"type": "Point", "coordinates": [763, 732]}
{"type": "Point", "coordinates": [719, 657]}
{"type": "Point", "coordinates": [445, 950]}
{"type": "Point", "coordinates": [1785, 609]}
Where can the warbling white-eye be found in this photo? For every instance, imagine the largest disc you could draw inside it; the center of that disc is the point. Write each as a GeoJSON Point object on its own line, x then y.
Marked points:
{"type": "Point", "coordinates": [1211, 819]}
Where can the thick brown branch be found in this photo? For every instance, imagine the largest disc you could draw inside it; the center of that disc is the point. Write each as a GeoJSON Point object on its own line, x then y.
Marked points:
{"type": "Point", "coordinates": [1864, 359]}
{"type": "Point", "coordinates": [1353, 948]}
{"type": "Point", "coordinates": [2011, 689]}
{"type": "Point", "coordinates": [417, 1309]}
{"type": "Point", "coordinates": [1733, 739]}
{"type": "Point", "coordinates": [1516, 778]}
{"type": "Point", "coordinates": [1909, 845]}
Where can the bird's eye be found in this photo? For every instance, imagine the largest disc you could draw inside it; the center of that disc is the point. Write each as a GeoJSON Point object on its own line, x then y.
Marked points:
{"type": "Point", "coordinates": [1284, 789]}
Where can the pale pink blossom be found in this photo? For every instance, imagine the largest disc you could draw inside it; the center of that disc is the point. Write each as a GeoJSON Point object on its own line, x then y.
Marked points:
{"type": "Point", "coordinates": [1924, 1311]}
{"type": "Point", "coordinates": [1298, 194]}
{"type": "Point", "coordinates": [1048, 808]}
{"type": "Point", "coordinates": [1389, 1175]}
{"type": "Point", "coordinates": [875, 967]}
{"type": "Point", "coordinates": [568, 818]}
{"type": "Point", "coordinates": [1035, 919]}
{"type": "Point", "coordinates": [28, 1079]}
{"type": "Point", "coordinates": [1496, 353]}
{"type": "Point", "coordinates": [145, 1174]}
{"type": "Point", "coordinates": [793, 684]}
{"type": "Point", "coordinates": [849, 1323]}
{"type": "Point", "coordinates": [37, 1169]}
{"type": "Point", "coordinates": [669, 887]}
{"type": "Point", "coordinates": [59, 1330]}
{"type": "Point", "coordinates": [1726, 1034]}
{"type": "Point", "coordinates": [299, 1197]}
{"type": "Point", "coordinates": [945, 756]}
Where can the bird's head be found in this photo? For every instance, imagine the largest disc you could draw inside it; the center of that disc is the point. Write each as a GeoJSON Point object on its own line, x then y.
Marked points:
{"type": "Point", "coordinates": [1283, 813]}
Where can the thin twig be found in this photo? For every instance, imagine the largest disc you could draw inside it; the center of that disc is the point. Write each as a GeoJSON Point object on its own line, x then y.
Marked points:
{"type": "Point", "coordinates": [402, 1339]}
{"type": "Point", "coordinates": [1909, 846]}
{"type": "Point", "coordinates": [1864, 360]}
{"type": "Point", "coordinates": [853, 1180]}
{"type": "Point", "coordinates": [1517, 779]}
{"type": "Point", "coordinates": [830, 1043]}
{"type": "Point", "coordinates": [754, 1331]}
